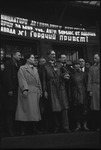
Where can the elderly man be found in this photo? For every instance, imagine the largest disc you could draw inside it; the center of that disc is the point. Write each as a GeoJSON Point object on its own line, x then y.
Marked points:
{"type": "Point", "coordinates": [55, 91]}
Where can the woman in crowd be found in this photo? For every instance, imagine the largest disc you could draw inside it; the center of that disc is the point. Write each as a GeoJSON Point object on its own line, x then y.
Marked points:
{"type": "Point", "coordinates": [29, 92]}
{"type": "Point", "coordinates": [78, 95]}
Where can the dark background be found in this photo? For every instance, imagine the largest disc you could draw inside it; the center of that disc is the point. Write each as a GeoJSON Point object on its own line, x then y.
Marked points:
{"type": "Point", "coordinates": [61, 12]}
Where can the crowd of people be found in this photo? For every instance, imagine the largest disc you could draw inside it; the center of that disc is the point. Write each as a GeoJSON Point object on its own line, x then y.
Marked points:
{"type": "Point", "coordinates": [42, 96]}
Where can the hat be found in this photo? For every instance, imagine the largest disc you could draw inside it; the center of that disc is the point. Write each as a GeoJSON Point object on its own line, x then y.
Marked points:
{"type": "Point", "coordinates": [75, 62]}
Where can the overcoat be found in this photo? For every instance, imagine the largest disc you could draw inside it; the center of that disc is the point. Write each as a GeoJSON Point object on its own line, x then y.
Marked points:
{"type": "Point", "coordinates": [94, 86]}
{"type": "Point", "coordinates": [78, 88]}
{"type": "Point", "coordinates": [43, 100]}
{"type": "Point", "coordinates": [52, 83]}
{"type": "Point", "coordinates": [65, 69]}
{"type": "Point", "coordinates": [28, 107]}
{"type": "Point", "coordinates": [2, 66]}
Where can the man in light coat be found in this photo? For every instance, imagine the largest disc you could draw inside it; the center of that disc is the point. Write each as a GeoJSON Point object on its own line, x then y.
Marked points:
{"type": "Point", "coordinates": [29, 92]}
{"type": "Point", "coordinates": [94, 91]}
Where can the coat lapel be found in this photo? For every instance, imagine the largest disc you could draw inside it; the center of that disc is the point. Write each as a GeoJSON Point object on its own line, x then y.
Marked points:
{"type": "Point", "coordinates": [53, 71]}
{"type": "Point", "coordinates": [33, 72]}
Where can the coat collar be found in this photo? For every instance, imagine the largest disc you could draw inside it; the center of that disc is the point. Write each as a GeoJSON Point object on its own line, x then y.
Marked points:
{"type": "Point", "coordinates": [55, 72]}
{"type": "Point", "coordinates": [33, 71]}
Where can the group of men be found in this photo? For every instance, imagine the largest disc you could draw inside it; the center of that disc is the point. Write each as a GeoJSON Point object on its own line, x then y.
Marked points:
{"type": "Point", "coordinates": [48, 96]}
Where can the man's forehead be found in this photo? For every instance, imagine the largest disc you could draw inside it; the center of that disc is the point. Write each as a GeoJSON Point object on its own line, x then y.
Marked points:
{"type": "Point", "coordinates": [42, 59]}
{"type": "Point", "coordinates": [18, 53]}
{"type": "Point", "coordinates": [32, 55]}
{"type": "Point", "coordinates": [63, 56]}
{"type": "Point", "coordinates": [96, 55]}
{"type": "Point", "coordinates": [81, 59]}
{"type": "Point", "coordinates": [52, 52]}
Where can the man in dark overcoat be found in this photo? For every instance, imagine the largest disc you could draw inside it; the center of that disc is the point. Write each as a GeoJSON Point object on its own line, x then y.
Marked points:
{"type": "Point", "coordinates": [84, 68]}
{"type": "Point", "coordinates": [10, 81]}
{"type": "Point", "coordinates": [65, 74]}
{"type": "Point", "coordinates": [43, 100]}
{"type": "Point", "coordinates": [2, 95]}
{"type": "Point", "coordinates": [54, 89]}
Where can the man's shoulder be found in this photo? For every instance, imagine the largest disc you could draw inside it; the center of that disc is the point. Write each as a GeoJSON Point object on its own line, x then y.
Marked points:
{"type": "Point", "coordinates": [9, 62]}
{"type": "Point", "coordinates": [92, 67]}
{"type": "Point", "coordinates": [47, 64]}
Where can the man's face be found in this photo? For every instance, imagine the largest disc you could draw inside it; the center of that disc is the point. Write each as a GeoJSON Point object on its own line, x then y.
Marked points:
{"type": "Point", "coordinates": [63, 59]}
{"type": "Point", "coordinates": [42, 61]}
{"type": "Point", "coordinates": [17, 56]}
{"type": "Point", "coordinates": [52, 56]}
{"type": "Point", "coordinates": [35, 62]}
{"type": "Point", "coordinates": [87, 65]}
{"type": "Point", "coordinates": [96, 58]}
{"type": "Point", "coordinates": [82, 62]}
